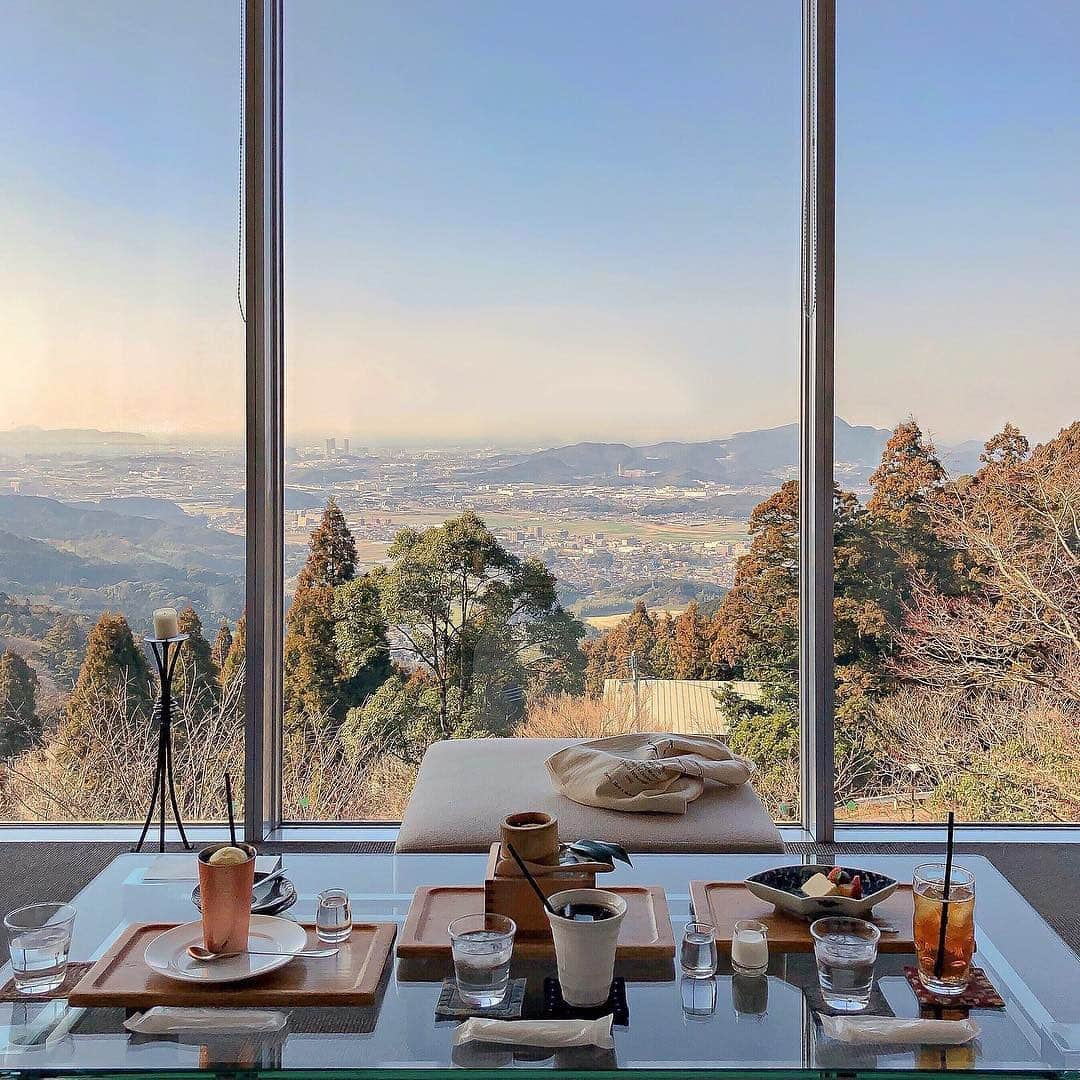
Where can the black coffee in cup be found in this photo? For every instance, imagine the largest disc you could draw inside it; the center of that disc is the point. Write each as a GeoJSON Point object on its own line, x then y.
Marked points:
{"type": "Point", "coordinates": [585, 912]}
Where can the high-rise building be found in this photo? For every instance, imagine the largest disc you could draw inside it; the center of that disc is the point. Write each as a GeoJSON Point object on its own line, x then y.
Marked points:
{"type": "Point", "coordinates": [331, 447]}
{"type": "Point", "coordinates": [345, 447]}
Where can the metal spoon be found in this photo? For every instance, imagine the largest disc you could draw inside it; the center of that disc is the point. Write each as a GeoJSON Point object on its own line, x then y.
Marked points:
{"type": "Point", "coordinates": [267, 880]}
{"type": "Point", "coordinates": [199, 952]}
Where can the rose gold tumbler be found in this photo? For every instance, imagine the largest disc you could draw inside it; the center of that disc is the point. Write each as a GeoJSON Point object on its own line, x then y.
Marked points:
{"type": "Point", "coordinates": [225, 893]}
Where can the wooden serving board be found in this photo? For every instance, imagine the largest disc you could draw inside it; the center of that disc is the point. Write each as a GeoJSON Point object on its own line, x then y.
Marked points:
{"type": "Point", "coordinates": [723, 902]}
{"type": "Point", "coordinates": [121, 978]}
{"type": "Point", "coordinates": [645, 934]}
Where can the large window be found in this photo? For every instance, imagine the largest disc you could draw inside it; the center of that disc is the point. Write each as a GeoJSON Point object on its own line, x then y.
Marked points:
{"type": "Point", "coordinates": [542, 367]}
{"type": "Point", "coordinates": [547, 424]}
{"type": "Point", "coordinates": [958, 554]}
{"type": "Point", "coordinates": [122, 411]}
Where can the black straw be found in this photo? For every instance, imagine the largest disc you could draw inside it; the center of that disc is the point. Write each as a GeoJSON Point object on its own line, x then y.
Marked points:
{"type": "Point", "coordinates": [229, 807]}
{"type": "Point", "coordinates": [939, 962]}
{"type": "Point", "coordinates": [532, 881]}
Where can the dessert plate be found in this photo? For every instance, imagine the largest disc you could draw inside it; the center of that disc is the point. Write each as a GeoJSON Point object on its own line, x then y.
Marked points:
{"type": "Point", "coordinates": [167, 953]}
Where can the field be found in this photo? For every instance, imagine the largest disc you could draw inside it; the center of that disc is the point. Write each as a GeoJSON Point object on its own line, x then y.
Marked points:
{"type": "Point", "coordinates": [604, 623]}
{"type": "Point", "coordinates": [724, 531]}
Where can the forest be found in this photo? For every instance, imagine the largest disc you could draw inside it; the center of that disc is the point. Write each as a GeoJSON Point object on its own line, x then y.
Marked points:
{"type": "Point", "coordinates": [957, 652]}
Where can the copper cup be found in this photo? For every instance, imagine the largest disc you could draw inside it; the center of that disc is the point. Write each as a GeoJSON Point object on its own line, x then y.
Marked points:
{"type": "Point", "coordinates": [225, 893]}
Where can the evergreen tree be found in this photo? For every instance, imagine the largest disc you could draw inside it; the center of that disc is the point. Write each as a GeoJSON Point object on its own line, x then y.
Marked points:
{"type": "Point", "coordinates": [332, 552]}
{"type": "Point", "coordinates": [222, 644]}
{"type": "Point", "coordinates": [906, 483]}
{"type": "Point", "coordinates": [197, 674]}
{"type": "Point", "coordinates": [113, 668]}
{"type": "Point", "coordinates": [691, 651]}
{"type": "Point", "coordinates": [19, 723]}
{"type": "Point", "coordinates": [63, 647]}
{"type": "Point", "coordinates": [1008, 447]}
{"type": "Point", "coordinates": [236, 658]}
{"type": "Point", "coordinates": [361, 640]}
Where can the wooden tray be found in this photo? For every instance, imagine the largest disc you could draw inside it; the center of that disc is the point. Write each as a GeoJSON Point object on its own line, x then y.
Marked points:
{"type": "Point", "coordinates": [723, 902]}
{"type": "Point", "coordinates": [121, 979]}
{"type": "Point", "coordinates": [646, 930]}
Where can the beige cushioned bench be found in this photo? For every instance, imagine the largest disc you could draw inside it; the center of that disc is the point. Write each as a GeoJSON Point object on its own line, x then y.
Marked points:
{"type": "Point", "coordinates": [467, 786]}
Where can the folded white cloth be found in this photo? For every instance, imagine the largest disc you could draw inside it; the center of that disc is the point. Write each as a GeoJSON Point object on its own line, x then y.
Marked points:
{"type": "Point", "coordinates": [656, 773]}
{"type": "Point", "coordinates": [556, 1033]}
{"type": "Point", "coordinates": [164, 1020]}
{"type": "Point", "coordinates": [888, 1029]}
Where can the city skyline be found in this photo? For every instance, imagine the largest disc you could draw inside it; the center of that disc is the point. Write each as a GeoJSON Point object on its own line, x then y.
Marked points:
{"type": "Point", "coordinates": [503, 232]}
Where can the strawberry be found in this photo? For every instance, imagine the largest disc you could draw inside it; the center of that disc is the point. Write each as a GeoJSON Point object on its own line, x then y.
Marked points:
{"type": "Point", "coordinates": [856, 888]}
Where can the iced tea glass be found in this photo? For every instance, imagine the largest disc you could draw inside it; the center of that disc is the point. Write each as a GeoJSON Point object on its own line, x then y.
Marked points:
{"type": "Point", "coordinates": [950, 977]}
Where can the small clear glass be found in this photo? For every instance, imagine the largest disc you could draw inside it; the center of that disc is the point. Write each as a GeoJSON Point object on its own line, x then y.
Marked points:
{"type": "Point", "coordinates": [698, 954]}
{"type": "Point", "coordinates": [482, 946]}
{"type": "Point", "coordinates": [846, 951]}
{"type": "Point", "coordinates": [333, 916]}
{"type": "Point", "coordinates": [750, 947]}
{"type": "Point", "coordinates": [39, 939]}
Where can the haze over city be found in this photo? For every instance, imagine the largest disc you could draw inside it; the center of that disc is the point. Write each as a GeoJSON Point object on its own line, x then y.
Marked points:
{"type": "Point", "coordinates": [504, 233]}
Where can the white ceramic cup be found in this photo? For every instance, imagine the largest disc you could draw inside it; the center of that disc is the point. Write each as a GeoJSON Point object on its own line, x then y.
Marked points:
{"type": "Point", "coordinates": [585, 951]}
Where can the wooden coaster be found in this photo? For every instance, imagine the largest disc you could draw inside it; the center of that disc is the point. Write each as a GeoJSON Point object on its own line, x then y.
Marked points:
{"type": "Point", "coordinates": [75, 971]}
{"type": "Point", "coordinates": [979, 994]}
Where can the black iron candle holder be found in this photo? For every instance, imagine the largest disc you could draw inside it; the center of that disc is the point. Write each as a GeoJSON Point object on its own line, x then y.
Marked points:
{"type": "Point", "coordinates": [166, 652]}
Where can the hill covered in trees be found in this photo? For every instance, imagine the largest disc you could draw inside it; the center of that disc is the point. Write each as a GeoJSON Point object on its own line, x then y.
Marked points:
{"type": "Point", "coordinates": [957, 647]}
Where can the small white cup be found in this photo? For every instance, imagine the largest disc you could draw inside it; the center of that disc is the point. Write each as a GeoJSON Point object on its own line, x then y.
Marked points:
{"type": "Point", "coordinates": [585, 951]}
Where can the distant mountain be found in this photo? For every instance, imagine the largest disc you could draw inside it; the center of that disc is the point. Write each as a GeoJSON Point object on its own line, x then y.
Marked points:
{"type": "Point", "coordinates": [147, 506]}
{"type": "Point", "coordinates": [39, 438]}
{"type": "Point", "coordinates": [96, 533]}
{"type": "Point", "coordinates": [746, 458]}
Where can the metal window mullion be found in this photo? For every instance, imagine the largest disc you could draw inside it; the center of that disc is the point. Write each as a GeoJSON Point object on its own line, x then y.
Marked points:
{"type": "Point", "coordinates": [816, 687]}
{"type": "Point", "coordinates": [265, 459]}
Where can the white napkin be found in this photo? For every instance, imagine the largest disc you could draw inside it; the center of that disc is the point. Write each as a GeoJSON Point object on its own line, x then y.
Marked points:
{"type": "Point", "coordinates": [163, 1020]}
{"type": "Point", "coordinates": [538, 1032]}
{"type": "Point", "coordinates": [652, 773]}
{"type": "Point", "coordinates": [888, 1029]}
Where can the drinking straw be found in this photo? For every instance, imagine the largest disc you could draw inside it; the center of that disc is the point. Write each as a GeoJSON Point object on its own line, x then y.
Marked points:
{"type": "Point", "coordinates": [229, 807]}
{"type": "Point", "coordinates": [939, 962]}
{"type": "Point", "coordinates": [532, 881]}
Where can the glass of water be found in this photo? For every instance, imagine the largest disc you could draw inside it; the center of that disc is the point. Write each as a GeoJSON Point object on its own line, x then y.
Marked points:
{"type": "Point", "coordinates": [482, 946]}
{"type": "Point", "coordinates": [333, 917]}
{"type": "Point", "coordinates": [845, 950]}
{"type": "Point", "coordinates": [697, 957]}
{"type": "Point", "coordinates": [39, 938]}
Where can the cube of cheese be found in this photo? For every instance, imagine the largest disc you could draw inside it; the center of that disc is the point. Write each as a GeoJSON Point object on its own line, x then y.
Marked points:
{"type": "Point", "coordinates": [818, 886]}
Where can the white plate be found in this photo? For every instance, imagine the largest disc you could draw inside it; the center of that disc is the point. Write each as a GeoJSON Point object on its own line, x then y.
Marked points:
{"type": "Point", "coordinates": [167, 953]}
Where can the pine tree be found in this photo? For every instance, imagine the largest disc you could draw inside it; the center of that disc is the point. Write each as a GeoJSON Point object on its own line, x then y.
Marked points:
{"type": "Point", "coordinates": [197, 674]}
{"type": "Point", "coordinates": [222, 644]}
{"type": "Point", "coordinates": [1008, 447]}
{"type": "Point", "coordinates": [19, 723]}
{"type": "Point", "coordinates": [236, 658]}
{"type": "Point", "coordinates": [905, 485]}
{"type": "Point", "coordinates": [332, 552]}
{"type": "Point", "coordinates": [691, 652]}
{"type": "Point", "coordinates": [113, 668]}
{"type": "Point", "coordinates": [63, 647]}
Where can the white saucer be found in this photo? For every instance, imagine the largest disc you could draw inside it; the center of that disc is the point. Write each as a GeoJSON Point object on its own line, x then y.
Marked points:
{"type": "Point", "coordinates": [167, 953]}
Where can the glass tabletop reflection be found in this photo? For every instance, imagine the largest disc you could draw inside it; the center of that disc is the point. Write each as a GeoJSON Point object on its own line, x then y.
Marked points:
{"type": "Point", "coordinates": [730, 1022]}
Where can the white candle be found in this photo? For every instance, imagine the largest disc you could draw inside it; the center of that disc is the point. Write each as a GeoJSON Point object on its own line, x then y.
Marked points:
{"type": "Point", "coordinates": [750, 946]}
{"type": "Point", "coordinates": [165, 623]}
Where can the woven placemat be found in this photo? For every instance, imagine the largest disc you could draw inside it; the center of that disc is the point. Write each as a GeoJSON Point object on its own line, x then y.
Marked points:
{"type": "Point", "coordinates": [451, 1007]}
{"type": "Point", "coordinates": [878, 1006]}
{"type": "Point", "coordinates": [75, 971]}
{"type": "Point", "coordinates": [980, 992]}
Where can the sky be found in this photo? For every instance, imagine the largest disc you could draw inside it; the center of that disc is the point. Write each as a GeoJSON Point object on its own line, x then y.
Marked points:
{"type": "Point", "coordinates": [541, 222]}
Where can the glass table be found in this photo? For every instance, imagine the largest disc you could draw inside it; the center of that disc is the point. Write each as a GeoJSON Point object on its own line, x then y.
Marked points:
{"type": "Point", "coordinates": [675, 1025]}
